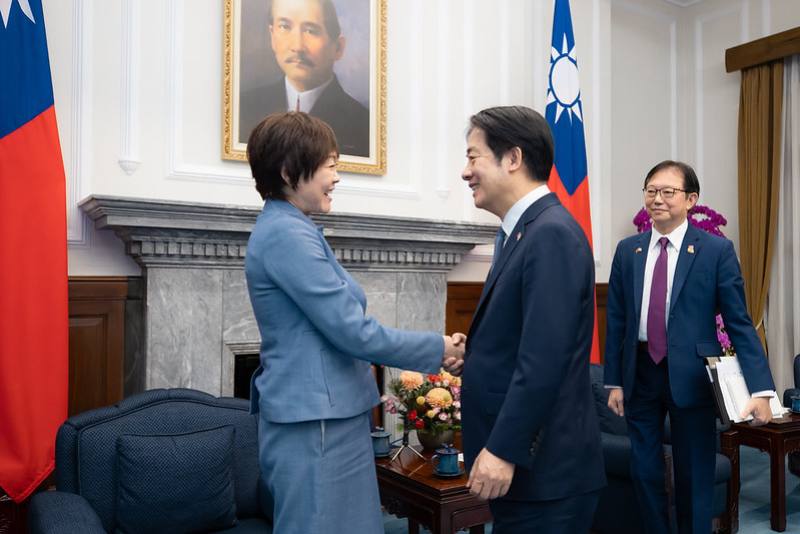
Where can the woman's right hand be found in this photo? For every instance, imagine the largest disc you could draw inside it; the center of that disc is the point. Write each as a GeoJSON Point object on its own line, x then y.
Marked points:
{"type": "Point", "coordinates": [453, 357]}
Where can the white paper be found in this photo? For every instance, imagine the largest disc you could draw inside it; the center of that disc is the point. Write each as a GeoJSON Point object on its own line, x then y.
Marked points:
{"type": "Point", "coordinates": [735, 393]}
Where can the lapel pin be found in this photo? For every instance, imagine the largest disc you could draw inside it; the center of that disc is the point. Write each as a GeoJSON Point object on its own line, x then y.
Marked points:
{"type": "Point", "coordinates": [519, 236]}
{"type": "Point", "coordinates": [690, 249]}
{"type": "Point", "coordinates": [638, 250]}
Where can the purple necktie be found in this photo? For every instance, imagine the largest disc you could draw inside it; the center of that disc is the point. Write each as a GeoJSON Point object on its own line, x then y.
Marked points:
{"type": "Point", "coordinates": [656, 312]}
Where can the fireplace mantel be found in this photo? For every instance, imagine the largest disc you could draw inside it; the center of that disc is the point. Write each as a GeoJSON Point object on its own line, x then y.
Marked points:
{"type": "Point", "coordinates": [182, 234]}
{"type": "Point", "coordinates": [196, 316]}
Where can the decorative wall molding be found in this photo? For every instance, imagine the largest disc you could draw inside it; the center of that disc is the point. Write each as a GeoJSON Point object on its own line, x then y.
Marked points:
{"type": "Point", "coordinates": [468, 82]}
{"type": "Point", "coordinates": [229, 173]}
{"type": "Point", "coordinates": [743, 8]}
{"type": "Point", "coordinates": [80, 132]}
{"type": "Point", "coordinates": [673, 62]}
{"type": "Point", "coordinates": [181, 234]}
{"type": "Point", "coordinates": [505, 54]}
{"type": "Point", "coordinates": [597, 187]}
{"type": "Point", "coordinates": [540, 54]}
{"type": "Point", "coordinates": [443, 97]}
{"type": "Point", "coordinates": [129, 159]}
{"type": "Point", "coordinates": [683, 3]}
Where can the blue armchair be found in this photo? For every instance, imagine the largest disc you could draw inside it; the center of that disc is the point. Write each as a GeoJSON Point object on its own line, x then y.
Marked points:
{"type": "Point", "coordinates": [617, 511]}
{"type": "Point", "coordinates": [166, 460]}
{"type": "Point", "coordinates": [794, 457]}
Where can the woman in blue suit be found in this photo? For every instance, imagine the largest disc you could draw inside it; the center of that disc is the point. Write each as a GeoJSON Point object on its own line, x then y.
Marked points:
{"type": "Point", "coordinates": [314, 389]}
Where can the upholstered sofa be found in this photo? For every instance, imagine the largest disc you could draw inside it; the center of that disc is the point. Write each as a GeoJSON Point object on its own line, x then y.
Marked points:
{"type": "Point", "coordinates": [617, 511]}
{"type": "Point", "coordinates": [166, 460]}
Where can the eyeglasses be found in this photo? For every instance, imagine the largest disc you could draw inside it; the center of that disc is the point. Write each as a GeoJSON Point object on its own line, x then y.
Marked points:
{"type": "Point", "coordinates": [666, 192]}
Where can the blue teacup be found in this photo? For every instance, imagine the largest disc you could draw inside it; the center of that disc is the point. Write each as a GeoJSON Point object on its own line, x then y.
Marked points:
{"type": "Point", "coordinates": [380, 442]}
{"type": "Point", "coordinates": [796, 403]}
{"type": "Point", "coordinates": [445, 461]}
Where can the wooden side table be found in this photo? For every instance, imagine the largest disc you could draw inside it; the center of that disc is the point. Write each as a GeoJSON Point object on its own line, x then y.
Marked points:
{"type": "Point", "coordinates": [409, 488]}
{"type": "Point", "coordinates": [777, 439]}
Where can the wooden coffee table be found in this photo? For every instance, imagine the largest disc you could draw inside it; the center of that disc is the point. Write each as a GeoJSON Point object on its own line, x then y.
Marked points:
{"type": "Point", "coordinates": [778, 439]}
{"type": "Point", "coordinates": [409, 488]}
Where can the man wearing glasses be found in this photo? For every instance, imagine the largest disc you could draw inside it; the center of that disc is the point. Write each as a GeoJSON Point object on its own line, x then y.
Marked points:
{"type": "Point", "coordinates": [665, 289]}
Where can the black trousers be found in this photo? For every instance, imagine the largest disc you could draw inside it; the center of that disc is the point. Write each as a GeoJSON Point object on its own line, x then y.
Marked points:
{"type": "Point", "coordinates": [571, 515]}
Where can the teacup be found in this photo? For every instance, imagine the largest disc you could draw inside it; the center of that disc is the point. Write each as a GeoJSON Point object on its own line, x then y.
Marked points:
{"type": "Point", "coordinates": [445, 461]}
{"type": "Point", "coordinates": [796, 403]}
{"type": "Point", "coordinates": [380, 442]}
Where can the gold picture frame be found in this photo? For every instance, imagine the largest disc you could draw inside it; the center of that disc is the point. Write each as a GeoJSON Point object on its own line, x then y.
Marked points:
{"type": "Point", "coordinates": [250, 72]}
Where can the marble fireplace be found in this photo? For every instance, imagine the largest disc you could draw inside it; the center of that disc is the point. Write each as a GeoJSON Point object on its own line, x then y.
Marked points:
{"type": "Point", "coordinates": [195, 318]}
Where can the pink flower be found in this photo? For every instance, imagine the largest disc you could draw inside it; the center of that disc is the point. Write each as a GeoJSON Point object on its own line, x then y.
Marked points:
{"type": "Point", "coordinates": [443, 416]}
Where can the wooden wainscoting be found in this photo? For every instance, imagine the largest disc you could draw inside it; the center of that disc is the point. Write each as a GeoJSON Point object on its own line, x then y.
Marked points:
{"type": "Point", "coordinates": [96, 340]}
{"type": "Point", "coordinates": [463, 297]}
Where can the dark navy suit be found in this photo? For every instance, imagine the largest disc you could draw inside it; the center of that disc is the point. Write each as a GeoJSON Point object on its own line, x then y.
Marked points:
{"type": "Point", "coordinates": [348, 118]}
{"type": "Point", "coordinates": [526, 393]}
{"type": "Point", "coordinates": [707, 281]}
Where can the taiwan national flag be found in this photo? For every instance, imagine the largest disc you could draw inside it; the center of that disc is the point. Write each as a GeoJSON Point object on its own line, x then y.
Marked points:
{"type": "Point", "coordinates": [33, 255]}
{"type": "Point", "coordinates": [569, 178]}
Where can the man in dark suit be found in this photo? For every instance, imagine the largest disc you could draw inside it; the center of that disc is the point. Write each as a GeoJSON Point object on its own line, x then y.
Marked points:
{"type": "Point", "coordinates": [665, 289]}
{"type": "Point", "coordinates": [306, 38]}
{"type": "Point", "coordinates": [530, 431]}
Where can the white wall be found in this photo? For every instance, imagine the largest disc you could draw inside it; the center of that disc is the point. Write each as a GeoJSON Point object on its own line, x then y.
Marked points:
{"type": "Point", "coordinates": [673, 99]}
{"type": "Point", "coordinates": [140, 81]}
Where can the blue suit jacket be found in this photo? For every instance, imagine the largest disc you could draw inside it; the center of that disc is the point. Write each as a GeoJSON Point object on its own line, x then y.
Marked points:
{"type": "Point", "coordinates": [707, 281]}
{"type": "Point", "coordinates": [316, 341]}
{"type": "Point", "coordinates": [526, 391]}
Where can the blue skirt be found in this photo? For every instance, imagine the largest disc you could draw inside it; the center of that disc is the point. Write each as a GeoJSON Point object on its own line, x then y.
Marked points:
{"type": "Point", "coordinates": [321, 475]}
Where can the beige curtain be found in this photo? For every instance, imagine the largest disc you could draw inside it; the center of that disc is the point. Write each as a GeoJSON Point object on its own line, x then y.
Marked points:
{"type": "Point", "coordinates": [760, 107]}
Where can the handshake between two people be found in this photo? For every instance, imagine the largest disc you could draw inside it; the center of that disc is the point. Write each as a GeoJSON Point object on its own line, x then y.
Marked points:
{"type": "Point", "coordinates": [453, 357]}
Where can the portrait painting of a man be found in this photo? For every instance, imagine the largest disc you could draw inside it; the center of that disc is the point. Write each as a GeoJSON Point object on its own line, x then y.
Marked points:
{"type": "Point", "coordinates": [315, 56]}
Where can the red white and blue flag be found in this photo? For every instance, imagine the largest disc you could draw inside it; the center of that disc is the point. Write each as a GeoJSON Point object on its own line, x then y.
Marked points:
{"type": "Point", "coordinates": [33, 255]}
{"type": "Point", "coordinates": [569, 178]}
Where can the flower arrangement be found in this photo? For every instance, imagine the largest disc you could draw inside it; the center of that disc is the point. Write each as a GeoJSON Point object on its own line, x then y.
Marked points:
{"type": "Point", "coordinates": [710, 221]}
{"type": "Point", "coordinates": [431, 403]}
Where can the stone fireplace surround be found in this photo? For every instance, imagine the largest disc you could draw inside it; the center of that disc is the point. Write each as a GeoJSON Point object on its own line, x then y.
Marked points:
{"type": "Point", "coordinates": [196, 315]}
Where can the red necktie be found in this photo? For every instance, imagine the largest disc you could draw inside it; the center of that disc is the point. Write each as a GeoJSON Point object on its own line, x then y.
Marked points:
{"type": "Point", "coordinates": [656, 312]}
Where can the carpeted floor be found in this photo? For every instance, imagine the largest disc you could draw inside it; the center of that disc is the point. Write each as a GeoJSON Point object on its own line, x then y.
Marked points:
{"type": "Point", "coordinates": [753, 498]}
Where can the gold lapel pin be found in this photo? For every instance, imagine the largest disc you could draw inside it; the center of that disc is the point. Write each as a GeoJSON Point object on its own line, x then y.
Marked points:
{"type": "Point", "coordinates": [519, 236]}
{"type": "Point", "coordinates": [690, 249]}
{"type": "Point", "coordinates": [638, 250]}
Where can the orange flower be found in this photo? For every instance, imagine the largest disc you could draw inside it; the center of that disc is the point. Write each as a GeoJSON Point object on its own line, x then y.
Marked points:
{"type": "Point", "coordinates": [411, 379]}
{"type": "Point", "coordinates": [439, 398]}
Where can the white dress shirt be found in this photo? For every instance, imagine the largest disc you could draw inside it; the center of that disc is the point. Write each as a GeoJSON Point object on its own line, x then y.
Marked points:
{"type": "Point", "coordinates": [512, 216]}
{"type": "Point", "coordinates": [653, 250]}
{"type": "Point", "coordinates": [307, 98]}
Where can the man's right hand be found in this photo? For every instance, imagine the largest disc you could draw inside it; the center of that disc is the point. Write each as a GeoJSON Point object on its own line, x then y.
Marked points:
{"type": "Point", "coordinates": [616, 400]}
{"type": "Point", "coordinates": [453, 357]}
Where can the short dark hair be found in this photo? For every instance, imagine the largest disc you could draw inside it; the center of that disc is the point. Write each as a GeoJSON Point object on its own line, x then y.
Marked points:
{"type": "Point", "coordinates": [329, 17]}
{"type": "Point", "coordinates": [507, 127]}
{"type": "Point", "coordinates": [690, 182]}
{"type": "Point", "coordinates": [294, 143]}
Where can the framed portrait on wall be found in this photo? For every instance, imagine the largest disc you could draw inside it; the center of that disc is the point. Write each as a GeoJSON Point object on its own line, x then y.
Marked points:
{"type": "Point", "coordinates": [324, 57]}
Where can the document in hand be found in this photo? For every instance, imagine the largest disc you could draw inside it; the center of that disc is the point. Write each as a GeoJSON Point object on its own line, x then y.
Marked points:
{"type": "Point", "coordinates": [730, 390]}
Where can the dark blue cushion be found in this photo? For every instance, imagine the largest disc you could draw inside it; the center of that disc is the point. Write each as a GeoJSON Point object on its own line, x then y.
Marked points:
{"type": "Point", "coordinates": [176, 483]}
{"type": "Point", "coordinates": [610, 422]}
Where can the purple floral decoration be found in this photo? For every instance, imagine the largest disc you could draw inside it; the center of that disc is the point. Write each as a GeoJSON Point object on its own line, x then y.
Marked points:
{"type": "Point", "coordinates": [702, 217]}
{"type": "Point", "coordinates": [708, 220]}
